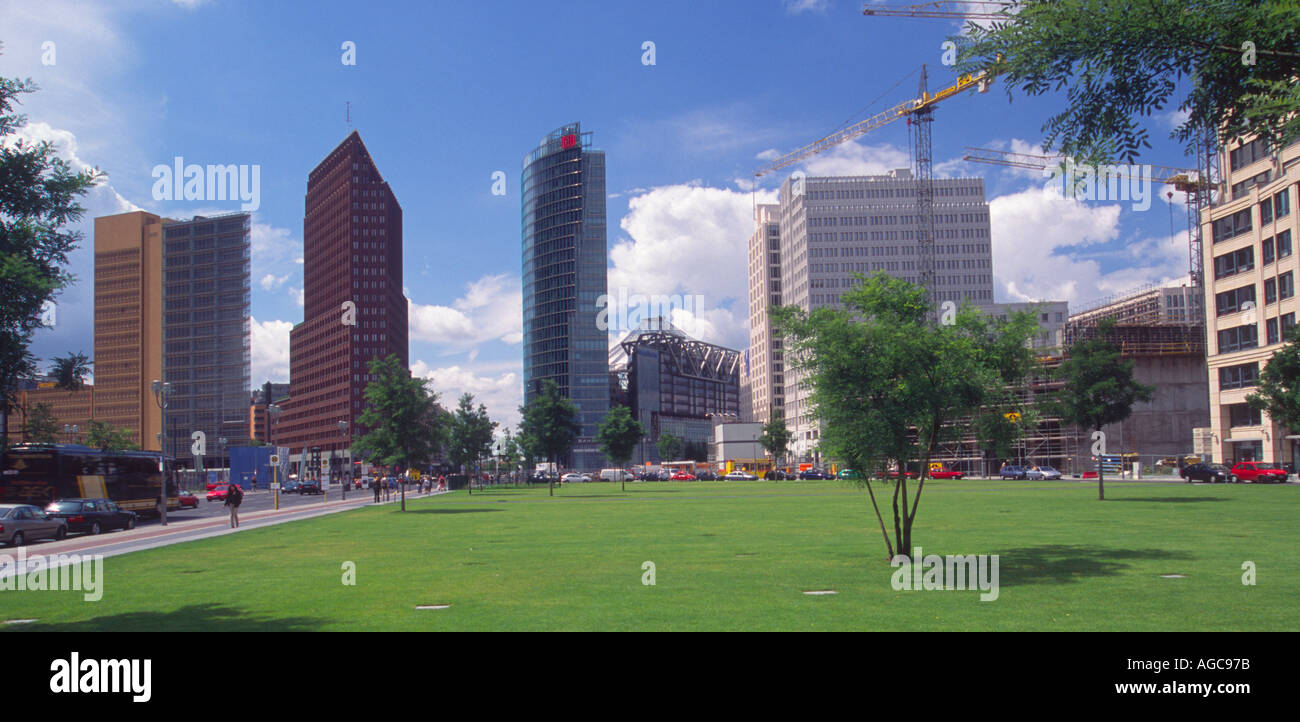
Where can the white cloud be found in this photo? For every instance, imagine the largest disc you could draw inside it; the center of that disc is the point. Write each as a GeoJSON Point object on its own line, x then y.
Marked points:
{"type": "Point", "coordinates": [270, 281]}
{"type": "Point", "coordinates": [794, 7]}
{"type": "Point", "coordinates": [269, 350]}
{"type": "Point", "coordinates": [1046, 247]}
{"type": "Point", "coordinates": [854, 158]}
{"type": "Point", "coordinates": [491, 309]}
{"type": "Point", "coordinates": [709, 226]}
{"type": "Point", "coordinates": [498, 386]}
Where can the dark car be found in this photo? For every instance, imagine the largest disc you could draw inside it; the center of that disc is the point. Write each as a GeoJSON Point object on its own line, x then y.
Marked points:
{"type": "Point", "coordinates": [1209, 473]}
{"type": "Point", "coordinates": [706, 476]}
{"type": "Point", "coordinates": [289, 487]}
{"type": "Point", "coordinates": [92, 515]}
{"type": "Point", "coordinates": [21, 523]}
{"type": "Point", "coordinates": [814, 474]}
{"type": "Point", "coordinates": [1013, 472]}
{"type": "Point", "coordinates": [309, 486]}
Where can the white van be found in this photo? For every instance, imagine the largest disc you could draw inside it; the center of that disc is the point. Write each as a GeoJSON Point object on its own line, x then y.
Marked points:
{"type": "Point", "coordinates": [616, 475]}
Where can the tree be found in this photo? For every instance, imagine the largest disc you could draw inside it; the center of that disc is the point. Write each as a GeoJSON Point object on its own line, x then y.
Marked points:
{"type": "Point", "coordinates": [40, 426]}
{"type": "Point", "coordinates": [403, 428]}
{"type": "Point", "coordinates": [1230, 66]}
{"type": "Point", "coordinates": [470, 435]}
{"type": "Point", "coordinates": [1099, 389]}
{"type": "Point", "coordinates": [888, 385]}
{"type": "Point", "coordinates": [510, 452]}
{"type": "Point", "coordinates": [102, 435]}
{"type": "Point", "coordinates": [550, 422]}
{"type": "Point", "coordinates": [529, 448]}
{"type": "Point", "coordinates": [775, 438]}
{"type": "Point", "coordinates": [670, 447]}
{"type": "Point", "coordinates": [70, 371]}
{"type": "Point", "coordinates": [38, 204]}
{"type": "Point", "coordinates": [1278, 392]}
{"type": "Point", "coordinates": [618, 435]}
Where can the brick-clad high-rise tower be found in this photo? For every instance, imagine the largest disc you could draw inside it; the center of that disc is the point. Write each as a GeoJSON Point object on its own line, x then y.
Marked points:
{"type": "Point", "coordinates": [352, 251]}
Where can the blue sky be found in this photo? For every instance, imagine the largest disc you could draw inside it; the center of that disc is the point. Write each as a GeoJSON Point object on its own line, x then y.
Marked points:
{"type": "Point", "coordinates": [445, 94]}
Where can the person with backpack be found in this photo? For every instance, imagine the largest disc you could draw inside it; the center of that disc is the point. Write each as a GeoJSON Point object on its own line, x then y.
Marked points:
{"type": "Point", "coordinates": [234, 497]}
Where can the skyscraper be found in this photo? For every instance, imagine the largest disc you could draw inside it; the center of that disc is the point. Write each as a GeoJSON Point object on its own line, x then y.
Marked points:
{"type": "Point", "coordinates": [564, 273]}
{"type": "Point", "coordinates": [832, 227]}
{"type": "Point", "coordinates": [354, 308]}
{"type": "Point", "coordinates": [765, 366]}
{"type": "Point", "coordinates": [128, 322]}
{"type": "Point", "coordinates": [206, 330]}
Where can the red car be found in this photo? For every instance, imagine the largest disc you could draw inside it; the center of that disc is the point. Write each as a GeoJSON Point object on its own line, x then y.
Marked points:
{"type": "Point", "coordinates": [218, 492]}
{"type": "Point", "coordinates": [187, 499]}
{"type": "Point", "coordinates": [1257, 472]}
{"type": "Point", "coordinates": [946, 474]}
{"type": "Point", "coordinates": [683, 476]}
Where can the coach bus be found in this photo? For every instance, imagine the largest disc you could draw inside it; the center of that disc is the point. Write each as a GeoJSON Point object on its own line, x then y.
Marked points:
{"type": "Point", "coordinates": [41, 473]}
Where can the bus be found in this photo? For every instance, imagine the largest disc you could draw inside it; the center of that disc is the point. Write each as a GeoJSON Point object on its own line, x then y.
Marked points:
{"type": "Point", "coordinates": [39, 474]}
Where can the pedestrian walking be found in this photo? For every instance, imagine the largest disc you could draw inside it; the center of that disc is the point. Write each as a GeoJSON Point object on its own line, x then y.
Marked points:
{"type": "Point", "coordinates": [254, 481]}
{"type": "Point", "coordinates": [374, 486]}
{"type": "Point", "coordinates": [234, 497]}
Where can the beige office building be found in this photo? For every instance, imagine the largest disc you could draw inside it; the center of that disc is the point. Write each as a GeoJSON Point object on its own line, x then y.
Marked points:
{"type": "Point", "coordinates": [1251, 267]}
{"type": "Point", "coordinates": [764, 373]}
{"type": "Point", "coordinates": [128, 323]}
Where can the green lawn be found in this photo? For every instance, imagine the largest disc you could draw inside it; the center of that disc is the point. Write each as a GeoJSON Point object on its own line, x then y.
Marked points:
{"type": "Point", "coordinates": [728, 556]}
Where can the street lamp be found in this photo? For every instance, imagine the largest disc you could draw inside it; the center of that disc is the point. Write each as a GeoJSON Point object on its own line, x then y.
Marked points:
{"type": "Point", "coordinates": [273, 414]}
{"type": "Point", "coordinates": [161, 390]}
{"type": "Point", "coordinates": [343, 434]}
{"type": "Point", "coordinates": [221, 453]}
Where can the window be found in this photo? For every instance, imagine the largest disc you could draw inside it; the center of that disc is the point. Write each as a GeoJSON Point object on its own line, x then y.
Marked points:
{"type": "Point", "coordinates": [1231, 301]}
{"type": "Point", "coordinates": [1282, 203]}
{"type": "Point", "coordinates": [1232, 226]}
{"type": "Point", "coordinates": [1266, 212]}
{"type": "Point", "coordinates": [1271, 327]}
{"type": "Point", "coordinates": [1248, 153]}
{"type": "Point", "coordinates": [1266, 254]}
{"type": "Point", "coordinates": [1238, 338]}
{"type": "Point", "coordinates": [1270, 291]}
{"type": "Point", "coordinates": [1237, 377]}
{"type": "Point", "coordinates": [1243, 415]}
{"type": "Point", "coordinates": [1284, 244]}
{"type": "Point", "coordinates": [1230, 264]}
{"type": "Point", "coordinates": [1285, 285]}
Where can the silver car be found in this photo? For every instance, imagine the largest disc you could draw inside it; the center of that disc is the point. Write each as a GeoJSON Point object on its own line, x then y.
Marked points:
{"type": "Point", "coordinates": [21, 523]}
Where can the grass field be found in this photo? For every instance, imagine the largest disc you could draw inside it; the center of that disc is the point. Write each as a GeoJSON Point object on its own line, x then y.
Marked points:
{"type": "Point", "coordinates": [727, 555]}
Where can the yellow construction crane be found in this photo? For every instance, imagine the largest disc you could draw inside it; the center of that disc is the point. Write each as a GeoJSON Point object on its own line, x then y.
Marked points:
{"type": "Point", "coordinates": [1185, 180]}
{"type": "Point", "coordinates": [944, 9]}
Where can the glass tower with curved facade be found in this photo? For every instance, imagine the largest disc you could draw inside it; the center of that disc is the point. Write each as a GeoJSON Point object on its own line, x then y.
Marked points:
{"type": "Point", "coordinates": [564, 264]}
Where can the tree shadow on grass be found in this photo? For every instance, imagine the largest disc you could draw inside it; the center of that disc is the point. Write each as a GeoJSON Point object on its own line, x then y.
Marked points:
{"type": "Point", "coordinates": [1066, 564]}
{"type": "Point", "coordinates": [445, 511]}
{"type": "Point", "coordinates": [194, 618]}
{"type": "Point", "coordinates": [1173, 499]}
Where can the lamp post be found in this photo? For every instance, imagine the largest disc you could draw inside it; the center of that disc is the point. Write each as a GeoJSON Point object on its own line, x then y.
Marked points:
{"type": "Point", "coordinates": [161, 390]}
{"type": "Point", "coordinates": [343, 435]}
{"type": "Point", "coordinates": [273, 415]}
{"type": "Point", "coordinates": [221, 455]}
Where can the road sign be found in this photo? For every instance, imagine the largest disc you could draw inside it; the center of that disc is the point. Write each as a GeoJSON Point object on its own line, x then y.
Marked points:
{"type": "Point", "coordinates": [275, 460]}
{"type": "Point", "coordinates": [275, 487]}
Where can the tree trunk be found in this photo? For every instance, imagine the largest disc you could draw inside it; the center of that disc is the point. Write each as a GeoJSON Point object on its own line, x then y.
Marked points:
{"type": "Point", "coordinates": [889, 548]}
{"type": "Point", "coordinates": [1101, 477]}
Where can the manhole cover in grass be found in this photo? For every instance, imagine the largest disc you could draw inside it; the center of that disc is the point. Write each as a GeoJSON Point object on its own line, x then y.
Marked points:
{"type": "Point", "coordinates": [433, 606]}
{"type": "Point", "coordinates": [744, 556]}
{"type": "Point", "coordinates": [19, 621]}
{"type": "Point", "coordinates": [192, 571]}
{"type": "Point", "coordinates": [1173, 576]}
{"type": "Point", "coordinates": [821, 592]}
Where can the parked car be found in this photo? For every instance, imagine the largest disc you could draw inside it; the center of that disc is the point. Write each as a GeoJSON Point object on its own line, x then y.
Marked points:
{"type": "Point", "coordinates": [218, 492]}
{"type": "Point", "coordinates": [21, 523]}
{"type": "Point", "coordinates": [573, 478]}
{"type": "Point", "coordinates": [188, 499]}
{"type": "Point", "coordinates": [1012, 472]}
{"type": "Point", "coordinates": [813, 474]}
{"type": "Point", "coordinates": [740, 476]}
{"type": "Point", "coordinates": [1257, 472]}
{"type": "Point", "coordinates": [92, 515]}
{"type": "Point", "coordinates": [848, 474]}
{"type": "Point", "coordinates": [309, 486]}
{"type": "Point", "coordinates": [289, 487]}
{"type": "Point", "coordinates": [617, 475]}
{"type": "Point", "coordinates": [910, 474]}
{"type": "Point", "coordinates": [1050, 473]}
{"type": "Point", "coordinates": [1208, 473]}
{"type": "Point", "coordinates": [683, 476]}
{"type": "Point", "coordinates": [945, 474]}
{"type": "Point", "coordinates": [1033, 472]}
{"type": "Point", "coordinates": [706, 476]}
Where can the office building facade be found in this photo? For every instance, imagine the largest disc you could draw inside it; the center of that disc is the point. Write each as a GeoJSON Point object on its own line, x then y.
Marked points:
{"type": "Point", "coordinates": [764, 366]}
{"type": "Point", "coordinates": [564, 275]}
{"type": "Point", "coordinates": [354, 308]}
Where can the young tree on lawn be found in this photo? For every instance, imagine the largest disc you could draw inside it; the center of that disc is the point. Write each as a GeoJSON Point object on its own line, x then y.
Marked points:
{"type": "Point", "coordinates": [529, 448]}
{"type": "Point", "coordinates": [402, 425]}
{"type": "Point", "coordinates": [888, 385]}
{"type": "Point", "coordinates": [618, 435]}
{"type": "Point", "coordinates": [551, 422]}
{"type": "Point", "coordinates": [471, 435]}
{"type": "Point", "coordinates": [510, 452]}
{"type": "Point", "coordinates": [40, 426]}
{"type": "Point", "coordinates": [1278, 392]}
{"type": "Point", "coordinates": [775, 438]}
{"type": "Point", "coordinates": [670, 447]}
{"type": "Point", "coordinates": [1099, 388]}
{"type": "Point", "coordinates": [37, 206]}
{"type": "Point", "coordinates": [1230, 66]}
